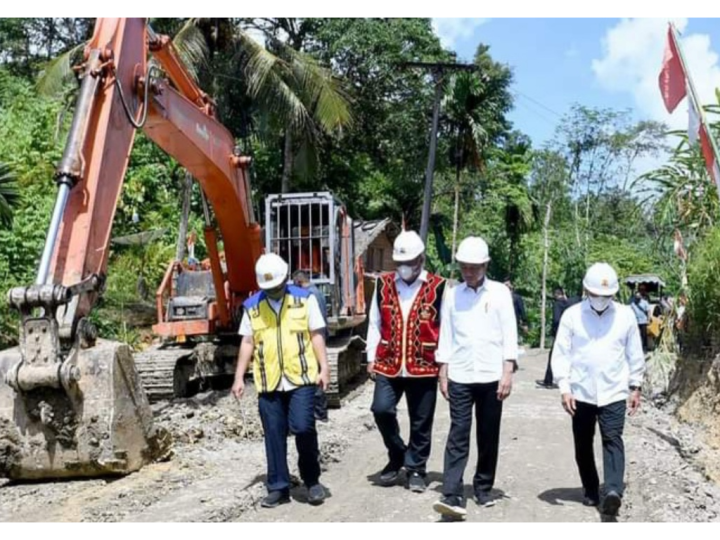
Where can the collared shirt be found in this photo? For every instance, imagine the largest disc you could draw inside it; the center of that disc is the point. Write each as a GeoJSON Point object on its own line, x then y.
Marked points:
{"type": "Point", "coordinates": [598, 356]}
{"type": "Point", "coordinates": [478, 332]}
{"type": "Point", "coordinates": [641, 309]}
{"type": "Point", "coordinates": [316, 321]}
{"type": "Point", "coordinates": [406, 295]}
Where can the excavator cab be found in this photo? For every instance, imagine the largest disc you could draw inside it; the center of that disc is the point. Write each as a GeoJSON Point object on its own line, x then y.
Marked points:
{"type": "Point", "coordinates": [306, 229]}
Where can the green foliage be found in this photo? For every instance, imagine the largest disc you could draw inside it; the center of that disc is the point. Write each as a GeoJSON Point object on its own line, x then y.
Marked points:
{"type": "Point", "coordinates": [9, 196]}
{"type": "Point", "coordinates": [704, 298]}
{"type": "Point", "coordinates": [360, 124]}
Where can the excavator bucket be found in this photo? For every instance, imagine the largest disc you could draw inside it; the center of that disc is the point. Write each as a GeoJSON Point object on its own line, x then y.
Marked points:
{"type": "Point", "coordinates": [101, 425]}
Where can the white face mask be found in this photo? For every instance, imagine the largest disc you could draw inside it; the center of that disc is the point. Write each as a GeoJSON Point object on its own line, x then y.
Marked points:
{"type": "Point", "coordinates": [405, 272]}
{"type": "Point", "coordinates": [600, 303]}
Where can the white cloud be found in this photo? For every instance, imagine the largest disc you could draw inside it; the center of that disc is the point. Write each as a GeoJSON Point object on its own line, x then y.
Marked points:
{"type": "Point", "coordinates": [632, 58]}
{"type": "Point", "coordinates": [451, 31]}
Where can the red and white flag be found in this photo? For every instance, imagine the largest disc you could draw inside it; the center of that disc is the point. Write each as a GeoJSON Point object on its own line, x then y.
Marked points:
{"type": "Point", "coordinates": [674, 86]}
{"type": "Point", "coordinates": [672, 76]}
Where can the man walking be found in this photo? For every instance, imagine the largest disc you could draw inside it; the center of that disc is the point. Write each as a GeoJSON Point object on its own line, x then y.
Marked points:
{"type": "Point", "coordinates": [562, 302]}
{"type": "Point", "coordinates": [598, 364]}
{"type": "Point", "coordinates": [641, 309]}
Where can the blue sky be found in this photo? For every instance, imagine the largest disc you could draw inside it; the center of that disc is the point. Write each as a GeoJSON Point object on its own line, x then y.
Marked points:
{"type": "Point", "coordinates": [611, 63]}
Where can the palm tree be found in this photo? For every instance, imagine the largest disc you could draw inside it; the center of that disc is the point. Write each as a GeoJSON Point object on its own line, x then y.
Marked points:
{"type": "Point", "coordinates": [296, 94]}
{"type": "Point", "coordinates": [292, 91]}
{"type": "Point", "coordinates": [9, 195]}
{"type": "Point", "coordinates": [462, 104]}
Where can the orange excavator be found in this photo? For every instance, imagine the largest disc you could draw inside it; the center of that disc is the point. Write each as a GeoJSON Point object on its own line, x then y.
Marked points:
{"type": "Point", "coordinates": [72, 404]}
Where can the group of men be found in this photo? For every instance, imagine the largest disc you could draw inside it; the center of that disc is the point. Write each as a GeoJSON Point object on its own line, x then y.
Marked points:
{"type": "Point", "coordinates": [425, 335]}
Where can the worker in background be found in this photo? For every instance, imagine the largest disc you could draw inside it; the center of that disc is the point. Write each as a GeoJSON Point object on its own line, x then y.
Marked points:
{"type": "Point", "coordinates": [282, 331]}
{"type": "Point", "coordinates": [301, 279]}
{"type": "Point", "coordinates": [519, 308]}
{"type": "Point", "coordinates": [641, 309]}
{"type": "Point", "coordinates": [562, 302]}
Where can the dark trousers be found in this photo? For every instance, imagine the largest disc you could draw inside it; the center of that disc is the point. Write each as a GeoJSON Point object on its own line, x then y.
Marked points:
{"type": "Point", "coordinates": [290, 412]}
{"type": "Point", "coordinates": [611, 419]}
{"type": "Point", "coordinates": [643, 336]}
{"type": "Point", "coordinates": [548, 380]}
{"type": "Point", "coordinates": [321, 404]}
{"type": "Point", "coordinates": [488, 412]}
{"type": "Point", "coordinates": [421, 395]}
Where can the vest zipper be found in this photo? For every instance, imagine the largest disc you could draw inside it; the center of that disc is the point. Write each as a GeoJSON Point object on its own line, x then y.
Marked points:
{"type": "Point", "coordinates": [279, 337]}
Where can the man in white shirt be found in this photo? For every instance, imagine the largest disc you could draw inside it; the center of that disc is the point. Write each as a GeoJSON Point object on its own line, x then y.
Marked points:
{"type": "Point", "coordinates": [599, 364]}
{"type": "Point", "coordinates": [477, 353]}
{"type": "Point", "coordinates": [403, 331]}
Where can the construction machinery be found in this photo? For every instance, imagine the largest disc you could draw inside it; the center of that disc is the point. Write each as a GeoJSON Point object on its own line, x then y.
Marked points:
{"type": "Point", "coordinates": [72, 404]}
{"type": "Point", "coordinates": [313, 233]}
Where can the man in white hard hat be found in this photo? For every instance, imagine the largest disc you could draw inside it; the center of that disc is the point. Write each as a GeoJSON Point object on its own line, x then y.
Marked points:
{"type": "Point", "coordinates": [478, 354]}
{"type": "Point", "coordinates": [403, 331]}
{"type": "Point", "coordinates": [598, 364]}
{"type": "Point", "coordinates": [282, 331]}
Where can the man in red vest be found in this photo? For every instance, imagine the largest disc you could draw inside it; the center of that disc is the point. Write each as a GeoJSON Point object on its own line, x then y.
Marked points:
{"type": "Point", "coordinates": [403, 333]}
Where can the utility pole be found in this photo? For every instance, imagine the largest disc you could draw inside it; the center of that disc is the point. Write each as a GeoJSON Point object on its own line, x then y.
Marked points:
{"type": "Point", "coordinates": [438, 70]}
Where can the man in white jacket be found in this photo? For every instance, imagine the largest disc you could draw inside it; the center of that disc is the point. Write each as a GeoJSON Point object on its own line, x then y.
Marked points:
{"type": "Point", "coordinates": [599, 364]}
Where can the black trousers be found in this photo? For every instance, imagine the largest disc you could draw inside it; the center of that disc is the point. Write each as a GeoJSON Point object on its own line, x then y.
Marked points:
{"type": "Point", "coordinates": [488, 413]}
{"type": "Point", "coordinates": [291, 411]}
{"type": "Point", "coordinates": [644, 337]}
{"type": "Point", "coordinates": [611, 419]}
{"type": "Point", "coordinates": [548, 380]}
{"type": "Point", "coordinates": [421, 395]}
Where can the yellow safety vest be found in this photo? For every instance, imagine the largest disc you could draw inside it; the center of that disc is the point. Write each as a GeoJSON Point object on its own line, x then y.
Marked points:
{"type": "Point", "coordinates": [282, 341]}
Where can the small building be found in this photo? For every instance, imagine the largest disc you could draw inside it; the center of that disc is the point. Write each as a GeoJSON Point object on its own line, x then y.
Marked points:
{"type": "Point", "coordinates": [374, 243]}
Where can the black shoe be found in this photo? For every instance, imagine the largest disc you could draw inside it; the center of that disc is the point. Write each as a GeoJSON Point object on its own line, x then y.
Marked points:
{"type": "Point", "coordinates": [543, 384]}
{"type": "Point", "coordinates": [484, 499]}
{"type": "Point", "coordinates": [389, 475]}
{"type": "Point", "coordinates": [316, 494]}
{"type": "Point", "coordinates": [611, 504]}
{"type": "Point", "coordinates": [451, 506]}
{"type": "Point", "coordinates": [416, 483]}
{"type": "Point", "coordinates": [275, 498]}
{"type": "Point", "coordinates": [591, 500]}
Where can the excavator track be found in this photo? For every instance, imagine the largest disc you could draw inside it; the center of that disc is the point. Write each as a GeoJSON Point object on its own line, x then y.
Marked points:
{"type": "Point", "coordinates": [164, 372]}
{"type": "Point", "coordinates": [344, 356]}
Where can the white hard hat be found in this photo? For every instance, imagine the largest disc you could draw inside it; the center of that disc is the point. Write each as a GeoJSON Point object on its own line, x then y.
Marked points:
{"type": "Point", "coordinates": [408, 246]}
{"type": "Point", "coordinates": [270, 271]}
{"type": "Point", "coordinates": [473, 250]}
{"type": "Point", "coordinates": [601, 279]}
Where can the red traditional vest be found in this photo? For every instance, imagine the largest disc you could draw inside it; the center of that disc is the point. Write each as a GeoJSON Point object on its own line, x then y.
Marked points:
{"type": "Point", "coordinates": [413, 345]}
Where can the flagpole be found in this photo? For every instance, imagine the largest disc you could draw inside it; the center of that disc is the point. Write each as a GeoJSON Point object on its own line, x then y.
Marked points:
{"type": "Point", "coordinates": [693, 96]}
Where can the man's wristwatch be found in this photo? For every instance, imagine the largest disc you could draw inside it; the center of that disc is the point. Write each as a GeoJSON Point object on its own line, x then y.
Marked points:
{"type": "Point", "coordinates": [634, 388]}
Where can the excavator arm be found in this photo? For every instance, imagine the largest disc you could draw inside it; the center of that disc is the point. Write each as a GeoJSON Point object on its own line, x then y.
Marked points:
{"type": "Point", "coordinates": [180, 118]}
{"type": "Point", "coordinates": [76, 403]}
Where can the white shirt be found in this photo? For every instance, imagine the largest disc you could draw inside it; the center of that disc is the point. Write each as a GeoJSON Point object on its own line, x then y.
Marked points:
{"type": "Point", "coordinates": [478, 332]}
{"type": "Point", "coordinates": [316, 321]}
{"type": "Point", "coordinates": [406, 295]}
{"type": "Point", "coordinates": [598, 356]}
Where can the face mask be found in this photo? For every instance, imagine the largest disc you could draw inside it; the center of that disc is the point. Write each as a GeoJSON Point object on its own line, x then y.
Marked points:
{"type": "Point", "coordinates": [276, 293]}
{"type": "Point", "coordinates": [405, 272]}
{"type": "Point", "coordinates": [473, 275]}
{"type": "Point", "coordinates": [600, 303]}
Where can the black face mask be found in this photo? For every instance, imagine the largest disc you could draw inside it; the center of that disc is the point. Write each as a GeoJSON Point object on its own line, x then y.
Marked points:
{"type": "Point", "coordinates": [276, 293]}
